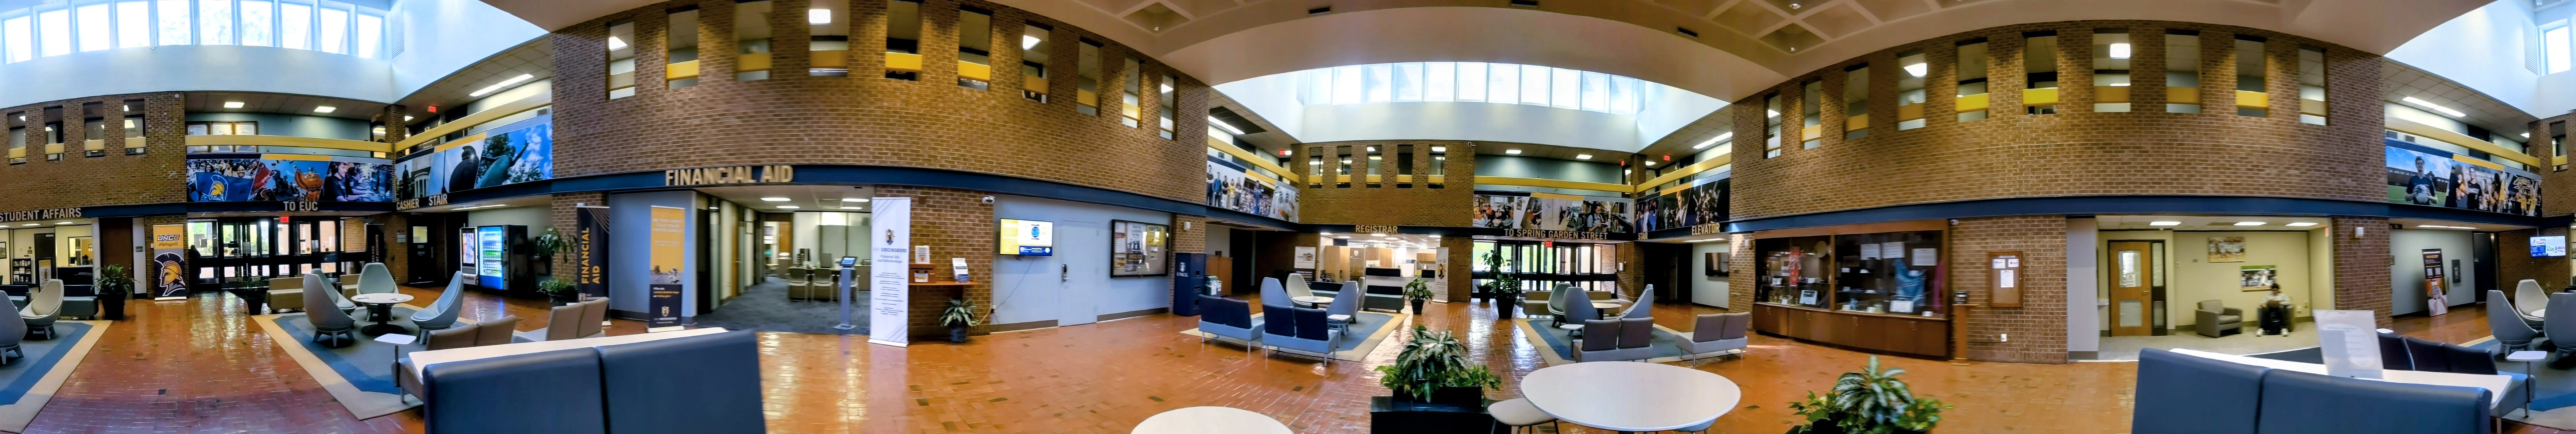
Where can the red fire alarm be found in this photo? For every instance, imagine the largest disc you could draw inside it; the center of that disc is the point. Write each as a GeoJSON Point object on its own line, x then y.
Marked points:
{"type": "Point", "coordinates": [433, 109]}
{"type": "Point", "coordinates": [1668, 157]}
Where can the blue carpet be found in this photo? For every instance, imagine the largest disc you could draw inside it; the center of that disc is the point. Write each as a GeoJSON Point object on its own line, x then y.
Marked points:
{"type": "Point", "coordinates": [367, 364]}
{"type": "Point", "coordinates": [41, 355]}
{"type": "Point", "coordinates": [1561, 341]}
{"type": "Point", "coordinates": [1363, 324]}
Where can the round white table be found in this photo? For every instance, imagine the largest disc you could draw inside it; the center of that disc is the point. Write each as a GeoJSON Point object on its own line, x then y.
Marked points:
{"type": "Point", "coordinates": [382, 305]}
{"type": "Point", "coordinates": [1318, 302]}
{"type": "Point", "coordinates": [1630, 396]}
{"type": "Point", "coordinates": [1200, 420]}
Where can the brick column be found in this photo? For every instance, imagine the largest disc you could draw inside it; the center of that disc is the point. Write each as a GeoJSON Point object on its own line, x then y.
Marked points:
{"type": "Point", "coordinates": [2361, 266]}
{"type": "Point", "coordinates": [1461, 272]}
{"type": "Point", "coordinates": [955, 224]}
{"type": "Point", "coordinates": [2036, 331]}
{"type": "Point", "coordinates": [563, 213]}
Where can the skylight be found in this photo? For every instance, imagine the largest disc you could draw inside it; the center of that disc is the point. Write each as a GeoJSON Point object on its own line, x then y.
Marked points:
{"type": "Point", "coordinates": [1499, 83]}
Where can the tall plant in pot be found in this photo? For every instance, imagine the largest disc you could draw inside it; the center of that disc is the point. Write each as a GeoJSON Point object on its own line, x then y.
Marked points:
{"type": "Point", "coordinates": [559, 291]}
{"type": "Point", "coordinates": [1870, 401]}
{"type": "Point", "coordinates": [1504, 288]}
{"type": "Point", "coordinates": [114, 283]}
{"type": "Point", "coordinates": [1433, 368]}
{"type": "Point", "coordinates": [959, 316]}
{"type": "Point", "coordinates": [545, 245]}
{"type": "Point", "coordinates": [1417, 291]}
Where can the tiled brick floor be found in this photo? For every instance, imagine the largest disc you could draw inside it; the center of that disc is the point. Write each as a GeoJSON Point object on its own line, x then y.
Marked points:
{"type": "Point", "coordinates": [221, 374]}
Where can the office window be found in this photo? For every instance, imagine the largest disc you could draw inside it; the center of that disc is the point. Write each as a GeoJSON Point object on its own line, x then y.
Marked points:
{"type": "Point", "coordinates": [1971, 70]}
{"type": "Point", "coordinates": [94, 136]}
{"type": "Point", "coordinates": [94, 29]}
{"type": "Point", "coordinates": [1909, 89]}
{"type": "Point", "coordinates": [1168, 101]}
{"type": "Point", "coordinates": [53, 138]}
{"type": "Point", "coordinates": [18, 138]}
{"type": "Point", "coordinates": [1625, 97]}
{"type": "Point", "coordinates": [332, 31]}
{"type": "Point", "coordinates": [1134, 76]}
{"type": "Point", "coordinates": [1856, 102]}
{"type": "Point", "coordinates": [370, 40]}
{"type": "Point", "coordinates": [2111, 53]}
{"type": "Point", "coordinates": [829, 32]}
{"type": "Point", "coordinates": [2312, 85]}
{"type": "Point", "coordinates": [1086, 83]}
{"type": "Point", "coordinates": [173, 16]}
{"type": "Point", "coordinates": [680, 67]}
{"type": "Point", "coordinates": [2039, 63]}
{"type": "Point", "coordinates": [903, 40]}
{"type": "Point", "coordinates": [2182, 71]}
{"type": "Point", "coordinates": [1376, 161]}
{"type": "Point", "coordinates": [1771, 126]}
{"type": "Point", "coordinates": [295, 26]}
{"type": "Point", "coordinates": [20, 33]}
{"type": "Point", "coordinates": [1315, 168]}
{"type": "Point", "coordinates": [1439, 81]}
{"type": "Point", "coordinates": [2554, 42]}
{"type": "Point", "coordinates": [133, 127]}
{"type": "Point", "coordinates": [2558, 138]}
{"type": "Point", "coordinates": [258, 23]}
{"type": "Point", "coordinates": [215, 22]}
{"type": "Point", "coordinates": [2251, 69]}
{"type": "Point", "coordinates": [975, 49]}
{"type": "Point", "coordinates": [1811, 110]}
{"type": "Point", "coordinates": [1596, 91]}
{"type": "Point", "coordinates": [1439, 162]}
{"type": "Point", "coordinates": [133, 24]}
{"type": "Point", "coordinates": [621, 59]}
{"type": "Point", "coordinates": [54, 32]}
{"type": "Point", "coordinates": [751, 40]}
{"type": "Point", "coordinates": [1033, 62]}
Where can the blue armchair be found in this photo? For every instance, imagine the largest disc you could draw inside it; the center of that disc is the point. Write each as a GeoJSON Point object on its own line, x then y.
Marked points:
{"type": "Point", "coordinates": [1308, 332]}
{"type": "Point", "coordinates": [1227, 318]}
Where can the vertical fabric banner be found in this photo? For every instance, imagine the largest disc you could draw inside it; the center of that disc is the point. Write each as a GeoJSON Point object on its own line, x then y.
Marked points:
{"type": "Point", "coordinates": [890, 247]}
{"type": "Point", "coordinates": [169, 262]}
{"type": "Point", "coordinates": [664, 309]}
{"type": "Point", "coordinates": [591, 238]}
{"type": "Point", "coordinates": [2436, 303]}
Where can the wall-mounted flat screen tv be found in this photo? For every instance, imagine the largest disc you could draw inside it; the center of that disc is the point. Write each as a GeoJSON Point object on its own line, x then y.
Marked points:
{"type": "Point", "coordinates": [1027, 238]}
{"type": "Point", "coordinates": [2549, 246]}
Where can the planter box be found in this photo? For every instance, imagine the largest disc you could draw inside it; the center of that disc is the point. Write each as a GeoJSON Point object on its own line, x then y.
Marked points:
{"type": "Point", "coordinates": [1390, 415]}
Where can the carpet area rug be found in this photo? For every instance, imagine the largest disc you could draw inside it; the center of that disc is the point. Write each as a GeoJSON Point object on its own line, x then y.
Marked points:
{"type": "Point", "coordinates": [26, 384]}
{"type": "Point", "coordinates": [1376, 325]}
{"type": "Point", "coordinates": [361, 375]}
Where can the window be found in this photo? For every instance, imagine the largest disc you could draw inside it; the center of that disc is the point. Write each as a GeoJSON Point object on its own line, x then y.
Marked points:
{"type": "Point", "coordinates": [1086, 83]}
{"type": "Point", "coordinates": [18, 138]}
{"type": "Point", "coordinates": [1811, 110]}
{"type": "Point", "coordinates": [2111, 53]}
{"type": "Point", "coordinates": [1439, 163]}
{"type": "Point", "coordinates": [1856, 102]}
{"type": "Point", "coordinates": [173, 19]}
{"type": "Point", "coordinates": [133, 24]}
{"type": "Point", "coordinates": [295, 26]}
{"type": "Point", "coordinates": [2554, 43]}
{"type": "Point", "coordinates": [1033, 62]}
{"type": "Point", "coordinates": [20, 34]}
{"type": "Point", "coordinates": [215, 22]}
{"type": "Point", "coordinates": [2039, 63]}
{"type": "Point", "coordinates": [1596, 92]}
{"type": "Point", "coordinates": [1167, 101]}
{"type": "Point", "coordinates": [830, 36]}
{"type": "Point", "coordinates": [332, 31]}
{"type": "Point", "coordinates": [751, 41]}
{"type": "Point", "coordinates": [53, 136]}
{"type": "Point", "coordinates": [371, 31]}
{"type": "Point", "coordinates": [2558, 138]}
{"type": "Point", "coordinates": [1440, 81]}
{"type": "Point", "coordinates": [1565, 86]}
{"type": "Point", "coordinates": [1374, 81]}
{"type": "Point", "coordinates": [1534, 85]}
{"type": "Point", "coordinates": [54, 28]}
{"type": "Point", "coordinates": [1971, 69]}
{"type": "Point", "coordinates": [94, 136]}
{"type": "Point", "coordinates": [94, 28]}
{"type": "Point", "coordinates": [1406, 84]}
{"type": "Point", "coordinates": [903, 40]}
{"type": "Point", "coordinates": [680, 69]}
{"type": "Point", "coordinates": [258, 24]}
{"type": "Point", "coordinates": [2182, 71]}
{"type": "Point", "coordinates": [1909, 89]}
{"type": "Point", "coordinates": [1133, 74]}
{"type": "Point", "coordinates": [1315, 168]}
{"type": "Point", "coordinates": [133, 127]}
{"type": "Point", "coordinates": [621, 59]}
{"type": "Point", "coordinates": [1376, 160]}
{"type": "Point", "coordinates": [2251, 68]}
{"type": "Point", "coordinates": [1771, 126]}
{"type": "Point", "coordinates": [2312, 85]}
{"type": "Point", "coordinates": [975, 50]}
{"type": "Point", "coordinates": [223, 128]}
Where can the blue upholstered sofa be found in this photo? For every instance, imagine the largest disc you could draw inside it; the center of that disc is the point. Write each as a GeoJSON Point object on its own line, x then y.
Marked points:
{"type": "Point", "coordinates": [2181, 393]}
{"type": "Point", "coordinates": [1297, 329]}
{"type": "Point", "coordinates": [1380, 297]}
{"type": "Point", "coordinates": [694, 384]}
{"type": "Point", "coordinates": [1228, 318]}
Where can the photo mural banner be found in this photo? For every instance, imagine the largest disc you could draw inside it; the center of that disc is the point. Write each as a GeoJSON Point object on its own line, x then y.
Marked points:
{"type": "Point", "coordinates": [2425, 176]}
{"type": "Point", "coordinates": [520, 152]}
{"type": "Point", "coordinates": [1230, 186]}
{"type": "Point", "coordinates": [1682, 207]}
{"type": "Point", "coordinates": [288, 177]}
{"type": "Point", "coordinates": [1552, 212]}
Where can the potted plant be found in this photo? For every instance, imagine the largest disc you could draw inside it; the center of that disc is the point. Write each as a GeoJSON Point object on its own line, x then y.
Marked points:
{"type": "Point", "coordinates": [545, 245]}
{"type": "Point", "coordinates": [1505, 289]}
{"type": "Point", "coordinates": [559, 291]}
{"type": "Point", "coordinates": [959, 316]}
{"type": "Point", "coordinates": [1433, 368]}
{"type": "Point", "coordinates": [114, 283]}
{"type": "Point", "coordinates": [1869, 401]}
{"type": "Point", "coordinates": [1418, 292]}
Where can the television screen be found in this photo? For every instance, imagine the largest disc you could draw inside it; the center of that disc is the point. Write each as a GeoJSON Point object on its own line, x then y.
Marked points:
{"type": "Point", "coordinates": [1027, 237]}
{"type": "Point", "coordinates": [2549, 246]}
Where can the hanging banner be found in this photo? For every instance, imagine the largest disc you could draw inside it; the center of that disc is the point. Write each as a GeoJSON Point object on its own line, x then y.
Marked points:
{"type": "Point", "coordinates": [1552, 212]}
{"type": "Point", "coordinates": [591, 243]}
{"type": "Point", "coordinates": [664, 308]}
{"type": "Point", "coordinates": [169, 262]}
{"type": "Point", "coordinates": [890, 241]}
{"type": "Point", "coordinates": [2435, 303]}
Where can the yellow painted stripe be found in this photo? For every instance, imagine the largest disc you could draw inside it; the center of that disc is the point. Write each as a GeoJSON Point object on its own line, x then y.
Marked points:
{"type": "Point", "coordinates": [1855, 122]}
{"type": "Point", "coordinates": [1909, 112]}
{"type": "Point", "coordinates": [752, 62]}
{"type": "Point", "coordinates": [1556, 196]}
{"type": "Point", "coordinates": [1694, 168]}
{"type": "Point", "coordinates": [1972, 102]}
{"type": "Point", "coordinates": [2111, 94]}
{"type": "Point", "coordinates": [2039, 96]}
{"type": "Point", "coordinates": [2562, 159]}
{"type": "Point", "coordinates": [133, 142]}
{"type": "Point", "coordinates": [488, 115]}
{"type": "Point", "coordinates": [1033, 84]}
{"type": "Point", "coordinates": [903, 62]}
{"type": "Point", "coordinates": [1250, 158]}
{"type": "Point", "coordinates": [1550, 183]}
{"type": "Point", "coordinates": [2462, 140]}
{"type": "Point", "coordinates": [94, 144]}
{"type": "Point", "coordinates": [461, 141]}
{"type": "Point", "coordinates": [2182, 95]}
{"type": "Point", "coordinates": [838, 59]}
{"type": "Point", "coordinates": [680, 70]}
{"type": "Point", "coordinates": [300, 142]}
{"type": "Point", "coordinates": [974, 70]}
{"type": "Point", "coordinates": [2478, 162]}
{"type": "Point", "coordinates": [2245, 98]}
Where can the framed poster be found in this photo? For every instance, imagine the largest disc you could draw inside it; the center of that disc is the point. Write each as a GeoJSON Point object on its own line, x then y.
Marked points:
{"type": "Point", "coordinates": [1716, 264]}
{"type": "Point", "coordinates": [1138, 249]}
{"type": "Point", "coordinates": [2226, 249]}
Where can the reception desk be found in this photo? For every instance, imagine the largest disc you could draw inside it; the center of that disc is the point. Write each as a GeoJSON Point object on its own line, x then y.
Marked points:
{"type": "Point", "coordinates": [1908, 334]}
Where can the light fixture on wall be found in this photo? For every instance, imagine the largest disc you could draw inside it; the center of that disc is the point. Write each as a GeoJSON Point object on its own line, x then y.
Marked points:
{"type": "Point", "coordinates": [1512, 151]}
{"type": "Point", "coordinates": [2436, 107]}
{"type": "Point", "coordinates": [1583, 156]}
{"type": "Point", "coordinates": [2301, 224]}
{"type": "Point", "coordinates": [496, 87]}
{"type": "Point", "coordinates": [789, 207]}
{"type": "Point", "coordinates": [2164, 223]}
{"type": "Point", "coordinates": [232, 104]}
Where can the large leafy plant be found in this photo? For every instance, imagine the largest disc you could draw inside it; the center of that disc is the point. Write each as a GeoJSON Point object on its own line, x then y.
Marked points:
{"type": "Point", "coordinates": [1871, 401]}
{"type": "Point", "coordinates": [1430, 361]}
{"type": "Point", "coordinates": [1504, 283]}
{"type": "Point", "coordinates": [1417, 289]}
{"type": "Point", "coordinates": [112, 279]}
{"type": "Point", "coordinates": [960, 313]}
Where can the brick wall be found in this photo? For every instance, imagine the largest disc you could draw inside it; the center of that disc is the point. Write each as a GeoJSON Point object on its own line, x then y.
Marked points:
{"type": "Point", "coordinates": [2075, 151]}
{"type": "Point", "coordinates": [2557, 187]}
{"type": "Point", "coordinates": [2036, 331]}
{"type": "Point", "coordinates": [865, 118]}
{"type": "Point", "coordinates": [2514, 262]}
{"type": "Point", "coordinates": [954, 223]}
{"type": "Point", "coordinates": [157, 176]}
{"type": "Point", "coordinates": [1387, 204]}
{"type": "Point", "coordinates": [2361, 266]}
{"type": "Point", "coordinates": [1461, 273]}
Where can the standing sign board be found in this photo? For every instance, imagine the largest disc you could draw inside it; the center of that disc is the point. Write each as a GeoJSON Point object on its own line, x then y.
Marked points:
{"type": "Point", "coordinates": [591, 249]}
{"type": "Point", "coordinates": [169, 262]}
{"type": "Point", "coordinates": [2435, 303]}
{"type": "Point", "coordinates": [663, 308]}
{"type": "Point", "coordinates": [889, 242]}
{"type": "Point", "coordinates": [2349, 341]}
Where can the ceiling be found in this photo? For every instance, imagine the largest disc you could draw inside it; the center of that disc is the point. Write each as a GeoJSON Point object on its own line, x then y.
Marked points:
{"type": "Point", "coordinates": [2208, 223]}
{"type": "Point", "coordinates": [2483, 110]}
{"type": "Point", "coordinates": [803, 197]}
{"type": "Point", "coordinates": [255, 102]}
{"type": "Point", "coordinates": [536, 57]}
{"type": "Point", "coordinates": [1679, 143]}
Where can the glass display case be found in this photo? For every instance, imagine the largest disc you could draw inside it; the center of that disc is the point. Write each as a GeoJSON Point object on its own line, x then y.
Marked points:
{"type": "Point", "coordinates": [1889, 273]}
{"type": "Point", "coordinates": [1795, 271]}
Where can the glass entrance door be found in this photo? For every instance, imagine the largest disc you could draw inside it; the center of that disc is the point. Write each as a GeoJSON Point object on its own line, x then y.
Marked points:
{"type": "Point", "coordinates": [225, 251]}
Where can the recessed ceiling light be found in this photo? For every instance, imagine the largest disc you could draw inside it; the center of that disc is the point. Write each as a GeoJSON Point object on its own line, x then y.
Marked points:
{"type": "Point", "coordinates": [325, 109]}
{"type": "Point", "coordinates": [773, 199]}
{"type": "Point", "coordinates": [2436, 107]}
{"type": "Point", "coordinates": [406, 118]}
{"type": "Point", "coordinates": [1919, 69]}
{"type": "Point", "coordinates": [1512, 151]}
{"type": "Point", "coordinates": [1343, 237]}
{"type": "Point", "coordinates": [852, 207]}
{"type": "Point", "coordinates": [2164, 223]}
{"type": "Point", "coordinates": [854, 199]}
{"type": "Point", "coordinates": [232, 104]}
{"type": "Point", "coordinates": [1583, 156]}
{"type": "Point", "coordinates": [2249, 223]}
{"type": "Point", "coordinates": [496, 87]}
{"type": "Point", "coordinates": [1713, 140]}
{"type": "Point", "coordinates": [812, 16]}
{"type": "Point", "coordinates": [789, 207]}
{"type": "Point", "coordinates": [1372, 149]}
{"type": "Point", "coordinates": [2118, 51]}
{"type": "Point", "coordinates": [2302, 224]}
{"type": "Point", "coordinates": [1439, 149]}
{"type": "Point", "coordinates": [1650, 163]}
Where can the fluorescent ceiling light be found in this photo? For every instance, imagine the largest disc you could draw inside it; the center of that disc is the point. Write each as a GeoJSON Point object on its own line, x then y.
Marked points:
{"type": "Point", "coordinates": [1918, 70]}
{"type": "Point", "coordinates": [773, 199]}
{"type": "Point", "coordinates": [325, 109]}
{"type": "Point", "coordinates": [2118, 51]}
{"type": "Point", "coordinates": [1650, 163]}
{"type": "Point", "coordinates": [1343, 237]}
{"type": "Point", "coordinates": [1435, 236]}
{"type": "Point", "coordinates": [1583, 156]}
{"type": "Point", "coordinates": [1774, 113]}
{"type": "Point", "coordinates": [812, 16]}
{"type": "Point", "coordinates": [789, 207]}
{"type": "Point", "coordinates": [1714, 140]}
{"type": "Point", "coordinates": [1221, 124]}
{"type": "Point", "coordinates": [2301, 224]}
{"type": "Point", "coordinates": [1377, 234]}
{"type": "Point", "coordinates": [2444, 227]}
{"type": "Point", "coordinates": [851, 207]}
{"type": "Point", "coordinates": [2435, 107]}
{"type": "Point", "coordinates": [406, 118]}
{"type": "Point", "coordinates": [1167, 87]}
{"type": "Point", "coordinates": [1325, 233]}
{"type": "Point", "coordinates": [29, 224]}
{"type": "Point", "coordinates": [227, 104]}
{"type": "Point", "coordinates": [2249, 223]}
{"type": "Point", "coordinates": [1028, 42]}
{"type": "Point", "coordinates": [2164, 223]}
{"type": "Point", "coordinates": [496, 87]}
{"type": "Point", "coordinates": [1512, 151]}
{"type": "Point", "coordinates": [1372, 149]}
{"type": "Point", "coordinates": [854, 199]}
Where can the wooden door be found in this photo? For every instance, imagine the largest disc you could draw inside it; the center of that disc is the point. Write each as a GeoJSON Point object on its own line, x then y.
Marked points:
{"type": "Point", "coordinates": [2130, 282]}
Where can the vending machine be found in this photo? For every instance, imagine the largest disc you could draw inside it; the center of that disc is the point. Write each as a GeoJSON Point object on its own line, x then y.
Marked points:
{"type": "Point", "coordinates": [502, 261]}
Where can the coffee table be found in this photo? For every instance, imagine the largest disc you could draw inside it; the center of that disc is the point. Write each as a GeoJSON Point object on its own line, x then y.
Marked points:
{"type": "Point", "coordinates": [1208, 420]}
{"type": "Point", "coordinates": [382, 305]}
{"type": "Point", "coordinates": [1310, 300]}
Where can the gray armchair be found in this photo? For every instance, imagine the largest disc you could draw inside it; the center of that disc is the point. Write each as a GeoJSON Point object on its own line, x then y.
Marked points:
{"type": "Point", "coordinates": [1717, 332]}
{"type": "Point", "coordinates": [374, 279]}
{"type": "Point", "coordinates": [594, 316]}
{"type": "Point", "coordinates": [1578, 314]}
{"type": "Point", "coordinates": [441, 314]}
{"type": "Point", "coordinates": [1603, 342]}
{"type": "Point", "coordinates": [2563, 329]}
{"type": "Point", "coordinates": [1556, 303]}
{"type": "Point", "coordinates": [562, 323]}
{"type": "Point", "coordinates": [11, 332]}
{"type": "Point", "coordinates": [1273, 294]}
{"type": "Point", "coordinates": [2510, 333]}
{"type": "Point", "coordinates": [330, 326]}
{"type": "Point", "coordinates": [2215, 320]}
{"type": "Point", "coordinates": [2530, 301]}
{"type": "Point", "coordinates": [1345, 307]}
{"type": "Point", "coordinates": [44, 306]}
{"type": "Point", "coordinates": [285, 294]}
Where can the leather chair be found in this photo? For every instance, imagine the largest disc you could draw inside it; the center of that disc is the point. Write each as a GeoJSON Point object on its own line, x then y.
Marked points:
{"type": "Point", "coordinates": [594, 314]}
{"type": "Point", "coordinates": [1636, 338]}
{"type": "Point", "coordinates": [2179, 393]}
{"type": "Point", "coordinates": [2428, 355]}
{"type": "Point", "coordinates": [552, 392]}
{"type": "Point", "coordinates": [2215, 320]}
{"type": "Point", "coordinates": [441, 314]}
{"type": "Point", "coordinates": [722, 387]}
{"type": "Point", "coordinates": [44, 306]}
{"type": "Point", "coordinates": [330, 326]}
{"type": "Point", "coordinates": [2298, 402]}
{"type": "Point", "coordinates": [2530, 301]}
{"type": "Point", "coordinates": [1228, 318]}
{"type": "Point", "coordinates": [1345, 307]}
{"type": "Point", "coordinates": [2563, 329]}
{"type": "Point", "coordinates": [2511, 334]}
{"type": "Point", "coordinates": [1717, 332]}
{"type": "Point", "coordinates": [1601, 344]}
{"type": "Point", "coordinates": [562, 322]}
{"type": "Point", "coordinates": [285, 294]}
{"type": "Point", "coordinates": [495, 331]}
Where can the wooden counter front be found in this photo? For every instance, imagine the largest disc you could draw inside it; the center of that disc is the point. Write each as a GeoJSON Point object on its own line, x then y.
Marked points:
{"type": "Point", "coordinates": [1926, 336]}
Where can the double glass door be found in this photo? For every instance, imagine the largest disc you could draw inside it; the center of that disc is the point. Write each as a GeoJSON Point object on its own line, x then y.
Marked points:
{"type": "Point", "coordinates": [1543, 267]}
{"type": "Point", "coordinates": [233, 249]}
